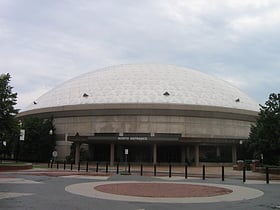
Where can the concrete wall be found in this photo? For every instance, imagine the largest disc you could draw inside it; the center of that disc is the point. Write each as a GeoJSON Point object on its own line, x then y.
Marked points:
{"type": "Point", "coordinates": [190, 127]}
{"type": "Point", "coordinates": [187, 126]}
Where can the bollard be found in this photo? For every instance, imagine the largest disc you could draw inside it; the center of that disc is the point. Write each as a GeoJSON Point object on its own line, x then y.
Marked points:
{"type": "Point", "coordinates": [79, 166]}
{"type": "Point", "coordinates": [223, 173]}
{"type": "Point", "coordinates": [203, 172]}
{"type": "Point", "coordinates": [186, 171]}
{"type": "Point", "coordinates": [169, 170]}
{"type": "Point", "coordinates": [118, 164]}
{"type": "Point", "coordinates": [244, 174]}
{"type": "Point", "coordinates": [141, 169]}
{"type": "Point", "coordinates": [71, 166]}
{"type": "Point", "coordinates": [97, 166]}
{"type": "Point", "coordinates": [64, 165]}
{"type": "Point", "coordinates": [106, 168]}
{"type": "Point", "coordinates": [267, 175]}
{"type": "Point", "coordinates": [128, 167]}
{"type": "Point", "coordinates": [87, 167]}
{"type": "Point", "coordinates": [51, 163]}
{"type": "Point", "coordinates": [155, 170]}
{"type": "Point", "coordinates": [57, 165]}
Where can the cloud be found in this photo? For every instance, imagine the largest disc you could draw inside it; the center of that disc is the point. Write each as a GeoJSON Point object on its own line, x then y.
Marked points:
{"type": "Point", "coordinates": [5, 33]}
{"type": "Point", "coordinates": [257, 22]}
{"type": "Point", "coordinates": [249, 4]}
{"type": "Point", "coordinates": [44, 44]}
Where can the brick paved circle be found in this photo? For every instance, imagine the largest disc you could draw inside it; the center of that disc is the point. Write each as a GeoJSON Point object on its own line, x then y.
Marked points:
{"type": "Point", "coordinates": [228, 192]}
{"type": "Point", "coordinates": [162, 190]}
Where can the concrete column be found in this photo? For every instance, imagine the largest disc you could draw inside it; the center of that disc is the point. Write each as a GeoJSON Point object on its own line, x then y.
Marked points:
{"type": "Point", "coordinates": [112, 154]}
{"type": "Point", "coordinates": [155, 154]}
{"type": "Point", "coordinates": [77, 154]}
{"type": "Point", "coordinates": [188, 155]}
{"type": "Point", "coordinates": [183, 154]}
{"type": "Point", "coordinates": [196, 155]}
{"type": "Point", "coordinates": [234, 156]}
{"type": "Point", "coordinates": [218, 151]}
{"type": "Point", "coordinates": [218, 154]}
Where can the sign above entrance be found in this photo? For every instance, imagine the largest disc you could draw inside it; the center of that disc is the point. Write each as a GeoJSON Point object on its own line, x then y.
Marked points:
{"type": "Point", "coordinates": [133, 138]}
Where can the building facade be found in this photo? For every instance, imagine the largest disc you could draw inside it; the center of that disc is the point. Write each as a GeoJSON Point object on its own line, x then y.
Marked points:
{"type": "Point", "coordinates": [159, 113]}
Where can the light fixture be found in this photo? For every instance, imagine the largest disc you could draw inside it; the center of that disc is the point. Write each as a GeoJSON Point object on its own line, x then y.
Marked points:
{"type": "Point", "coordinates": [85, 95]}
{"type": "Point", "coordinates": [237, 100]}
{"type": "Point", "coordinates": [35, 102]}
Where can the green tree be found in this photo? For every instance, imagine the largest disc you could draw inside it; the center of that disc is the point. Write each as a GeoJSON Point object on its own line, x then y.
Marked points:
{"type": "Point", "coordinates": [265, 134]}
{"type": "Point", "coordinates": [39, 143]}
{"type": "Point", "coordinates": [8, 121]}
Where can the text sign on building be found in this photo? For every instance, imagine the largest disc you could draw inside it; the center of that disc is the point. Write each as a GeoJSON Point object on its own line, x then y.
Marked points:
{"type": "Point", "coordinates": [54, 153]}
{"type": "Point", "coordinates": [132, 138]}
{"type": "Point", "coordinates": [21, 134]}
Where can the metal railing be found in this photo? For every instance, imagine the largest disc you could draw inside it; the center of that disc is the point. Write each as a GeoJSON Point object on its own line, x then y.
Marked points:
{"type": "Point", "coordinates": [140, 169]}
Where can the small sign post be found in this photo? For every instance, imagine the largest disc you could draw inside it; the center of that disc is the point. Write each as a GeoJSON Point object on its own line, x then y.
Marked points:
{"type": "Point", "coordinates": [22, 135]}
{"type": "Point", "coordinates": [54, 154]}
{"type": "Point", "coordinates": [126, 163]}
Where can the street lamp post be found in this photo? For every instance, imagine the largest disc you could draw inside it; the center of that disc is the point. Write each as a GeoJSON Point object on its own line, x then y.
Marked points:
{"type": "Point", "coordinates": [3, 145]}
{"type": "Point", "coordinates": [1, 151]}
{"type": "Point", "coordinates": [21, 138]}
{"type": "Point", "coordinates": [242, 148]}
{"type": "Point", "coordinates": [241, 142]}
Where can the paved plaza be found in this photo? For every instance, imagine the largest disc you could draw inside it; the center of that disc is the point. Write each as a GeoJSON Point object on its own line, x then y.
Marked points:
{"type": "Point", "coordinates": [59, 189]}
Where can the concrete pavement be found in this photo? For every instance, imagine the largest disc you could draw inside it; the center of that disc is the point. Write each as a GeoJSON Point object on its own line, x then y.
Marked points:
{"type": "Point", "coordinates": [32, 190]}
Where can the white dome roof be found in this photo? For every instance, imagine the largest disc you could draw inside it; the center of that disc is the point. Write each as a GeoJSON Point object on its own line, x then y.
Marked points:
{"type": "Point", "coordinates": [146, 84]}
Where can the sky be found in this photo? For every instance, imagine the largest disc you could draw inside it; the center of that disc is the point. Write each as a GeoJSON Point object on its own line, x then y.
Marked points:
{"type": "Point", "coordinates": [45, 43]}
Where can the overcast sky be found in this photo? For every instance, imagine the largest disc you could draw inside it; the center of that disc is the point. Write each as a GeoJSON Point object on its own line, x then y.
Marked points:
{"type": "Point", "coordinates": [44, 43]}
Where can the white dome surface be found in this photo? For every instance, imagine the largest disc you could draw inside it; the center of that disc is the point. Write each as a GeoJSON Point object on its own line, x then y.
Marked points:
{"type": "Point", "coordinates": [146, 84]}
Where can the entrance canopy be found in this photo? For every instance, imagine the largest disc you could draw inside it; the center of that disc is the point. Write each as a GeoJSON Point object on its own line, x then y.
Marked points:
{"type": "Point", "coordinates": [128, 137]}
{"type": "Point", "coordinates": [155, 148]}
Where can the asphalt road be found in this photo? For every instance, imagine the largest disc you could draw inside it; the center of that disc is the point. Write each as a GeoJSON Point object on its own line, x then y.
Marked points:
{"type": "Point", "coordinates": [48, 193]}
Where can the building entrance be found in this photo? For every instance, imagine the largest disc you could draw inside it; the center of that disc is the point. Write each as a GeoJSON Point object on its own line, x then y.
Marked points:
{"type": "Point", "coordinates": [215, 153]}
{"type": "Point", "coordinates": [136, 153]}
{"type": "Point", "coordinates": [169, 153]}
{"type": "Point", "coordinates": [145, 151]}
{"type": "Point", "coordinates": [99, 152]}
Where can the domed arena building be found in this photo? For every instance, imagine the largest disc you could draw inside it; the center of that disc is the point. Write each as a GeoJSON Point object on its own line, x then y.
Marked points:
{"type": "Point", "coordinates": [160, 113]}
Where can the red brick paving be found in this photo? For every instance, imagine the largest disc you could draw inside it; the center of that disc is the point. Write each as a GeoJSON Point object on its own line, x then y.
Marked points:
{"type": "Point", "coordinates": [162, 190]}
